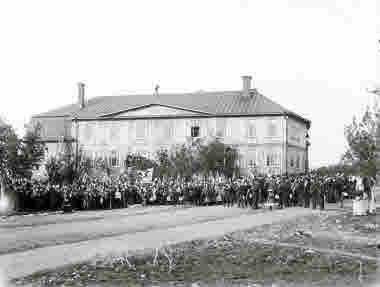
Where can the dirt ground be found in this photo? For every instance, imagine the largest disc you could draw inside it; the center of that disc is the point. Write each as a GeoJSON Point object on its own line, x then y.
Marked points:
{"type": "Point", "coordinates": [316, 250]}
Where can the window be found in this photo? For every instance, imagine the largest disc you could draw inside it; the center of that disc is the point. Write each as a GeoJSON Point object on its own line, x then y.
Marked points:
{"type": "Point", "coordinates": [169, 129]}
{"type": "Point", "coordinates": [291, 161]}
{"type": "Point", "coordinates": [114, 133]}
{"type": "Point", "coordinates": [114, 159]}
{"type": "Point", "coordinates": [140, 129]}
{"type": "Point", "coordinates": [220, 127]}
{"type": "Point", "coordinates": [273, 159]}
{"type": "Point", "coordinates": [195, 131]}
{"type": "Point", "coordinates": [251, 129]}
{"type": "Point", "coordinates": [272, 129]}
{"type": "Point", "coordinates": [88, 132]}
{"type": "Point", "coordinates": [298, 161]}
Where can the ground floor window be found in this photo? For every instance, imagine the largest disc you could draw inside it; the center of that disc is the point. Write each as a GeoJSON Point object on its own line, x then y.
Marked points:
{"type": "Point", "coordinates": [298, 161]}
{"type": "Point", "coordinates": [291, 161]}
{"type": "Point", "coordinates": [195, 131]}
{"type": "Point", "coordinates": [114, 159]}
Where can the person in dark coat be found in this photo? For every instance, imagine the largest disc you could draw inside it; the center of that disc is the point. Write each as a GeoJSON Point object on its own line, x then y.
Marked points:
{"type": "Point", "coordinates": [314, 189]}
{"type": "Point", "coordinates": [322, 193]}
{"type": "Point", "coordinates": [339, 186]}
{"type": "Point", "coordinates": [306, 193]}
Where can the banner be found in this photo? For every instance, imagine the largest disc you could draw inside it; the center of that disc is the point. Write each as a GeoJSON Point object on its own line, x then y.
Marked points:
{"type": "Point", "coordinates": [147, 175]}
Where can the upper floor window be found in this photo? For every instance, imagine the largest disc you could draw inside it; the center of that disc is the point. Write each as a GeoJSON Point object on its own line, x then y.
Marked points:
{"type": "Point", "coordinates": [195, 131]}
{"type": "Point", "coordinates": [169, 129]}
{"type": "Point", "coordinates": [272, 129]}
{"type": "Point", "coordinates": [251, 129]}
{"type": "Point", "coordinates": [114, 133]}
{"type": "Point", "coordinates": [220, 127]}
{"type": "Point", "coordinates": [291, 161]}
{"type": "Point", "coordinates": [88, 132]}
{"type": "Point", "coordinates": [140, 129]}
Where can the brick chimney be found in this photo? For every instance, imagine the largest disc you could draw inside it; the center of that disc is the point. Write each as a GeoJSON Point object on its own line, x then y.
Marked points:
{"type": "Point", "coordinates": [246, 85]}
{"type": "Point", "coordinates": [81, 101]}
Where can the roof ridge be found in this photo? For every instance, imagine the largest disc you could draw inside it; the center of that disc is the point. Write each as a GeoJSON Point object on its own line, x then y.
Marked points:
{"type": "Point", "coordinates": [218, 93]}
{"type": "Point", "coordinates": [216, 103]}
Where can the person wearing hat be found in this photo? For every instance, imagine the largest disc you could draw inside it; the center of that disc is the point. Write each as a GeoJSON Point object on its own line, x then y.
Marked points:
{"type": "Point", "coordinates": [314, 190]}
{"type": "Point", "coordinates": [322, 193]}
{"type": "Point", "coordinates": [306, 193]}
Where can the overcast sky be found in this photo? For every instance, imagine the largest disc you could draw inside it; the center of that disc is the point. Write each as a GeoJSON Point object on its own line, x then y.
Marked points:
{"type": "Point", "coordinates": [315, 57]}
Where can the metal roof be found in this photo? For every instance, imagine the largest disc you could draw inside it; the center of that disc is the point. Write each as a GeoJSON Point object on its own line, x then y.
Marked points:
{"type": "Point", "coordinates": [225, 103]}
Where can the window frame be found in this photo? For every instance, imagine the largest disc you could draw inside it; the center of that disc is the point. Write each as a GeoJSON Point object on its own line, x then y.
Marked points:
{"type": "Point", "coordinates": [195, 128]}
{"type": "Point", "coordinates": [114, 156]}
{"type": "Point", "coordinates": [292, 161]}
{"type": "Point", "coordinates": [298, 162]}
{"type": "Point", "coordinates": [251, 126]}
{"type": "Point", "coordinates": [272, 130]}
{"type": "Point", "coordinates": [220, 127]}
{"type": "Point", "coordinates": [144, 123]}
{"type": "Point", "coordinates": [169, 129]}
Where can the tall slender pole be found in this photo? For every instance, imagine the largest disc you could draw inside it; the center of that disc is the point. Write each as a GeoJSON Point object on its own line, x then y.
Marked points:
{"type": "Point", "coordinates": [77, 145]}
{"type": "Point", "coordinates": [286, 145]}
{"type": "Point", "coordinates": [307, 153]}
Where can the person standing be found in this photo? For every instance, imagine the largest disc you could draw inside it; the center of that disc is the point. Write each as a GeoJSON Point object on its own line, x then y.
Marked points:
{"type": "Point", "coordinates": [306, 193]}
{"type": "Point", "coordinates": [256, 195]}
{"type": "Point", "coordinates": [339, 190]}
{"type": "Point", "coordinates": [314, 189]}
{"type": "Point", "coordinates": [322, 193]}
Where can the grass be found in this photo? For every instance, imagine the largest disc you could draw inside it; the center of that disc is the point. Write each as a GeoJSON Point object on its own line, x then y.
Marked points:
{"type": "Point", "coordinates": [211, 262]}
{"type": "Point", "coordinates": [237, 260]}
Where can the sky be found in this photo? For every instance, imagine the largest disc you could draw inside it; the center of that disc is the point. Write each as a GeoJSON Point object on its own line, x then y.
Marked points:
{"type": "Point", "coordinates": [316, 57]}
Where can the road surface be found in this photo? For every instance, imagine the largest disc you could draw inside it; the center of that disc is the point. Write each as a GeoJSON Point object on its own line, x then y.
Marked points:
{"type": "Point", "coordinates": [91, 234]}
{"type": "Point", "coordinates": [34, 243]}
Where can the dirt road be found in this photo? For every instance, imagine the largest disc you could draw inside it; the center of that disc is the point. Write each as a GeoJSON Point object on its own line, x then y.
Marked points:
{"type": "Point", "coordinates": [101, 233]}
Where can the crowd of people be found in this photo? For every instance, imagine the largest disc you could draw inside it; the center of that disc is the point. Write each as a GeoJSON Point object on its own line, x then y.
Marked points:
{"type": "Point", "coordinates": [309, 190]}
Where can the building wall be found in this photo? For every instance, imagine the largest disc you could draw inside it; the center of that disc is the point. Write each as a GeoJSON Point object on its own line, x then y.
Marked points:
{"type": "Point", "coordinates": [260, 140]}
{"type": "Point", "coordinates": [57, 127]}
{"type": "Point", "coordinates": [296, 159]}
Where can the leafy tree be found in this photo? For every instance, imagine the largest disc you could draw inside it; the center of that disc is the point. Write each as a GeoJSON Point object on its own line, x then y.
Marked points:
{"type": "Point", "coordinates": [68, 167]}
{"type": "Point", "coordinates": [212, 157]}
{"type": "Point", "coordinates": [9, 146]}
{"type": "Point", "coordinates": [53, 166]}
{"type": "Point", "coordinates": [31, 152]}
{"type": "Point", "coordinates": [181, 161]}
{"type": "Point", "coordinates": [164, 165]}
{"type": "Point", "coordinates": [207, 158]}
{"type": "Point", "coordinates": [362, 137]}
{"type": "Point", "coordinates": [332, 170]}
{"type": "Point", "coordinates": [20, 157]}
{"type": "Point", "coordinates": [231, 157]}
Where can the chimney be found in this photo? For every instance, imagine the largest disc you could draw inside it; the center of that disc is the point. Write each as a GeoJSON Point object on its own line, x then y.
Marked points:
{"type": "Point", "coordinates": [81, 95]}
{"type": "Point", "coordinates": [246, 85]}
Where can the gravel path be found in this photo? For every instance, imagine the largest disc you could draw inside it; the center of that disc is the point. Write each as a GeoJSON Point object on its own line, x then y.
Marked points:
{"type": "Point", "coordinates": [24, 263]}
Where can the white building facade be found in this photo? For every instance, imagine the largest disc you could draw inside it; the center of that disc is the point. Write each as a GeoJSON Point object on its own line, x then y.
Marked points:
{"type": "Point", "coordinates": [269, 138]}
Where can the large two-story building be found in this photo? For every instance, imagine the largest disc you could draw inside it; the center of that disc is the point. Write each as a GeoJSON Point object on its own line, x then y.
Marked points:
{"type": "Point", "coordinates": [269, 137]}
